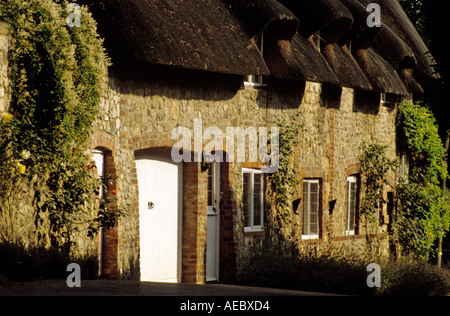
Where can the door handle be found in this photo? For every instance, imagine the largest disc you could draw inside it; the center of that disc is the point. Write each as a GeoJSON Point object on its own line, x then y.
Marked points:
{"type": "Point", "coordinates": [150, 205]}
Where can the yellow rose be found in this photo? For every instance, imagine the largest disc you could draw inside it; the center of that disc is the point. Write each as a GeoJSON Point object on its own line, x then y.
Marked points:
{"type": "Point", "coordinates": [7, 118]}
{"type": "Point", "coordinates": [22, 169]}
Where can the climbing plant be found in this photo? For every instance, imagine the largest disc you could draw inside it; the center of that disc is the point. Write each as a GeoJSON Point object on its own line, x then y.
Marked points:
{"type": "Point", "coordinates": [375, 166]}
{"type": "Point", "coordinates": [283, 182]}
{"type": "Point", "coordinates": [422, 213]}
{"type": "Point", "coordinates": [56, 72]}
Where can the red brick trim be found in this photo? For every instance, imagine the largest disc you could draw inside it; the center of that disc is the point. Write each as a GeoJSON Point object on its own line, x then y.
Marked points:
{"type": "Point", "coordinates": [352, 169]}
{"type": "Point", "coordinates": [104, 140]}
{"type": "Point", "coordinates": [228, 234]}
{"type": "Point", "coordinates": [194, 223]}
{"type": "Point", "coordinates": [110, 238]}
{"type": "Point", "coordinates": [260, 233]}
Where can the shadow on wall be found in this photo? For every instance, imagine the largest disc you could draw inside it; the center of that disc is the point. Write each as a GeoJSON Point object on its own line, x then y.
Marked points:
{"type": "Point", "coordinates": [143, 79]}
{"type": "Point", "coordinates": [366, 102]}
{"type": "Point", "coordinates": [331, 96]}
{"type": "Point", "coordinates": [288, 92]}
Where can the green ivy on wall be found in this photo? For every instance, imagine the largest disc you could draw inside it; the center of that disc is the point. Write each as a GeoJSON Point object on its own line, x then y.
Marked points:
{"type": "Point", "coordinates": [422, 214]}
{"type": "Point", "coordinates": [374, 170]}
{"type": "Point", "coordinates": [375, 167]}
{"type": "Point", "coordinates": [283, 183]}
{"type": "Point", "coordinates": [56, 74]}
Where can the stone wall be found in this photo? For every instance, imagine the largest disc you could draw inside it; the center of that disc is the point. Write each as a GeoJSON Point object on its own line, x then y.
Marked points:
{"type": "Point", "coordinates": [3, 66]}
{"type": "Point", "coordinates": [144, 103]}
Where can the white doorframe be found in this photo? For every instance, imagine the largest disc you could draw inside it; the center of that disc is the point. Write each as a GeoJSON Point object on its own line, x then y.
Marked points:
{"type": "Point", "coordinates": [213, 224]}
{"type": "Point", "coordinates": [98, 156]}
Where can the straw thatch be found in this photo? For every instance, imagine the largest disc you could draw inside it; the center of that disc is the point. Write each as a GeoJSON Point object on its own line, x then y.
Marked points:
{"type": "Point", "coordinates": [303, 61]}
{"type": "Point", "coordinates": [189, 34]}
{"type": "Point", "coordinates": [396, 19]}
{"type": "Point", "coordinates": [217, 36]}
{"type": "Point", "coordinates": [258, 15]}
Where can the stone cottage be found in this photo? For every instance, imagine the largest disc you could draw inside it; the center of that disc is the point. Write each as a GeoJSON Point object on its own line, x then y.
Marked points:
{"type": "Point", "coordinates": [220, 65]}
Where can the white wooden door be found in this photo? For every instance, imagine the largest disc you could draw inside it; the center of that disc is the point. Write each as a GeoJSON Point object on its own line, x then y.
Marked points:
{"type": "Point", "coordinates": [159, 181]}
{"type": "Point", "coordinates": [212, 233]}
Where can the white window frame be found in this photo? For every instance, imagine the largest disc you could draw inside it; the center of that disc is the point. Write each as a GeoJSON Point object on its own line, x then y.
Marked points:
{"type": "Point", "coordinates": [307, 208]}
{"type": "Point", "coordinates": [256, 80]}
{"type": "Point", "coordinates": [348, 230]}
{"type": "Point", "coordinates": [384, 98]}
{"type": "Point", "coordinates": [251, 209]}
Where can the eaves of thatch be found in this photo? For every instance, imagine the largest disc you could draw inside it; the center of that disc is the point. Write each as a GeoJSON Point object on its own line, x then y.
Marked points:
{"type": "Point", "coordinates": [381, 74]}
{"type": "Point", "coordinates": [217, 36]}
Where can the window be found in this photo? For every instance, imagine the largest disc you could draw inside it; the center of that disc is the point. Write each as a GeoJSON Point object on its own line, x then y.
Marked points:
{"type": "Point", "coordinates": [352, 199]}
{"type": "Point", "coordinates": [384, 98]}
{"type": "Point", "coordinates": [311, 206]}
{"type": "Point", "coordinates": [253, 199]}
{"type": "Point", "coordinates": [389, 99]}
{"type": "Point", "coordinates": [256, 80]}
{"type": "Point", "coordinates": [404, 167]}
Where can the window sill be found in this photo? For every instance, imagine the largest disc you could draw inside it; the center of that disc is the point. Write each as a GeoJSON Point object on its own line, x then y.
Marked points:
{"type": "Point", "coordinates": [310, 237]}
{"type": "Point", "coordinates": [253, 229]}
{"type": "Point", "coordinates": [254, 85]}
{"type": "Point", "coordinates": [254, 232]}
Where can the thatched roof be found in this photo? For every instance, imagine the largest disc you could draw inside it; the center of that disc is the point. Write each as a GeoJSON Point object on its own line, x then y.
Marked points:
{"type": "Point", "coordinates": [299, 59]}
{"type": "Point", "coordinates": [396, 19]}
{"type": "Point", "coordinates": [190, 34]}
{"type": "Point", "coordinates": [217, 36]}
{"type": "Point", "coordinates": [258, 15]}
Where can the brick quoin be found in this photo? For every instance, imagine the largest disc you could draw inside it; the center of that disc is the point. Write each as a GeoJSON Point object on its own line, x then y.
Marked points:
{"type": "Point", "coordinates": [194, 229]}
{"type": "Point", "coordinates": [228, 235]}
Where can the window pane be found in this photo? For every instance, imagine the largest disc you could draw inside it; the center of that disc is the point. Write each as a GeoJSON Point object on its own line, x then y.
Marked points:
{"type": "Point", "coordinates": [311, 202]}
{"type": "Point", "coordinates": [314, 208]}
{"type": "Point", "coordinates": [305, 230]}
{"type": "Point", "coordinates": [246, 199]}
{"type": "Point", "coordinates": [257, 199]}
{"type": "Point", "coordinates": [352, 205]}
